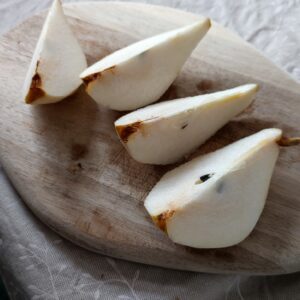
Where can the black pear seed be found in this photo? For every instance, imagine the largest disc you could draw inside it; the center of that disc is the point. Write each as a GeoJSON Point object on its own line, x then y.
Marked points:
{"type": "Point", "coordinates": [206, 177]}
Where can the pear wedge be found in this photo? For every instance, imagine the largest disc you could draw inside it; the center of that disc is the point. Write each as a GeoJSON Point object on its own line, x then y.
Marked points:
{"type": "Point", "coordinates": [140, 73]}
{"type": "Point", "coordinates": [215, 200]}
{"type": "Point", "coordinates": [163, 133]}
{"type": "Point", "coordinates": [57, 61]}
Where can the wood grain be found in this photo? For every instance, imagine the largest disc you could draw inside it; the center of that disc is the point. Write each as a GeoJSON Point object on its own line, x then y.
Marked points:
{"type": "Point", "coordinates": [69, 167]}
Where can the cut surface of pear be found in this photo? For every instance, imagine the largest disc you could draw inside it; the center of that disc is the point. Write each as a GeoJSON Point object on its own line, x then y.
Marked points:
{"type": "Point", "coordinates": [215, 200]}
{"type": "Point", "coordinates": [140, 73]}
{"type": "Point", "coordinates": [57, 61]}
{"type": "Point", "coordinates": [163, 133]}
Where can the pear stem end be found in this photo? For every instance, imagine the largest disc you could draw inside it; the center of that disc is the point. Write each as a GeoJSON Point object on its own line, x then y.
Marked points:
{"type": "Point", "coordinates": [287, 142]}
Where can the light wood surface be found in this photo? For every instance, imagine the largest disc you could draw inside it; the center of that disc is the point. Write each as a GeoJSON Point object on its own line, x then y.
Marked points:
{"type": "Point", "coordinates": [69, 167]}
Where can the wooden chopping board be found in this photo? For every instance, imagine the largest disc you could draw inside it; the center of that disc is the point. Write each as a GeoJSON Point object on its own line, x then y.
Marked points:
{"type": "Point", "coordinates": [67, 163]}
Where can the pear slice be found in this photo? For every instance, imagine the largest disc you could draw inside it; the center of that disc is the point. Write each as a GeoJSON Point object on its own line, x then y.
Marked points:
{"type": "Point", "coordinates": [215, 200]}
{"type": "Point", "coordinates": [164, 132]}
{"type": "Point", "coordinates": [140, 73]}
{"type": "Point", "coordinates": [57, 61]}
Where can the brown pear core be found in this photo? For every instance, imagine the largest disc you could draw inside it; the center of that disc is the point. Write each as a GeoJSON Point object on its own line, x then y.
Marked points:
{"type": "Point", "coordinates": [88, 79]}
{"type": "Point", "coordinates": [161, 219]}
{"type": "Point", "coordinates": [91, 78]}
{"type": "Point", "coordinates": [126, 131]}
{"type": "Point", "coordinates": [35, 91]}
{"type": "Point", "coordinates": [286, 142]}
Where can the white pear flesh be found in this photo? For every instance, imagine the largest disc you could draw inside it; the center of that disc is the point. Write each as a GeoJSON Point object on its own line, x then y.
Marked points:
{"type": "Point", "coordinates": [222, 209]}
{"type": "Point", "coordinates": [140, 73]}
{"type": "Point", "coordinates": [57, 61]}
{"type": "Point", "coordinates": [165, 132]}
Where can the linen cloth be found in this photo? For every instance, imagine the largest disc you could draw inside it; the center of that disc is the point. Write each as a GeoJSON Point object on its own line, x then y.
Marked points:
{"type": "Point", "coordinates": [36, 263]}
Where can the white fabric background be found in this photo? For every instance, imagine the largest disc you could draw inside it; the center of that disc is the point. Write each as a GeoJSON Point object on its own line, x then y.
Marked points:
{"type": "Point", "coordinates": [36, 263]}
